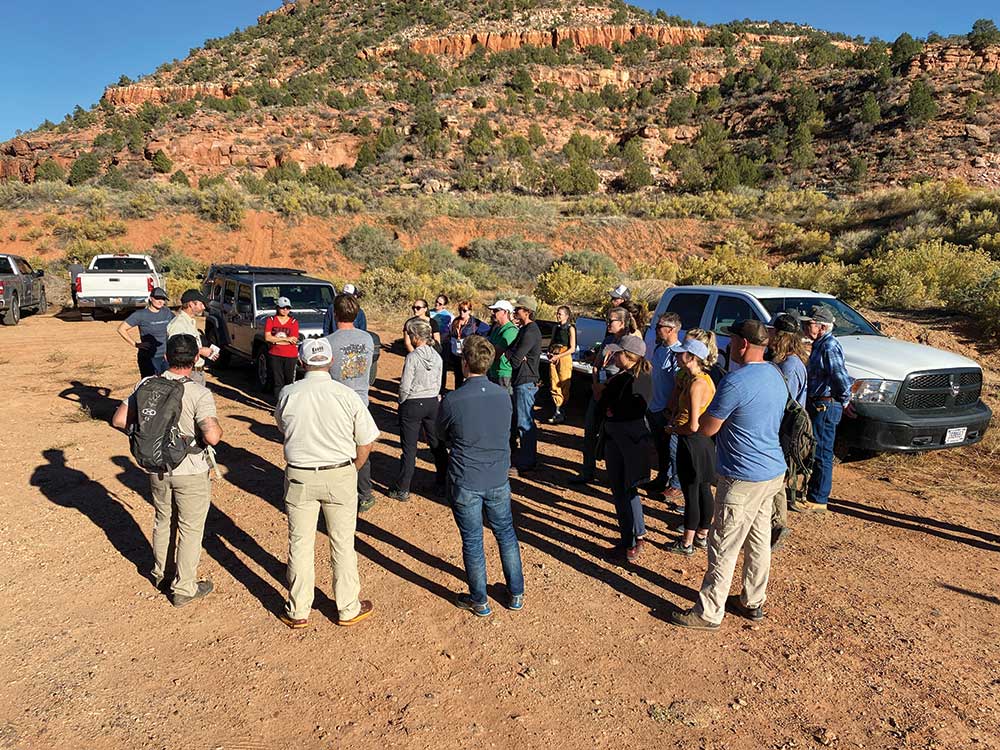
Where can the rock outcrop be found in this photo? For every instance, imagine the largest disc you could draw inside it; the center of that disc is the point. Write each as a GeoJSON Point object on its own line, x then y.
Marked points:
{"type": "Point", "coordinates": [137, 94]}
{"type": "Point", "coordinates": [949, 58]}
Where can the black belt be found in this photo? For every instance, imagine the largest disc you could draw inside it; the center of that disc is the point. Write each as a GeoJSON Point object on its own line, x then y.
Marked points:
{"type": "Point", "coordinates": [321, 468]}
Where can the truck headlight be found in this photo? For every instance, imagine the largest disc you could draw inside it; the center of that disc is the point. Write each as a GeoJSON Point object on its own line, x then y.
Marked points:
{"type": "Point", "coordinates": [875, 391]}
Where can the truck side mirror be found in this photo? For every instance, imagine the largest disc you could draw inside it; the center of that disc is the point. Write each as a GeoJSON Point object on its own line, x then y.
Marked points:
{"type": "Point", "coordinates": [39, 273]}
{"type": "Point", "coordinates": [877, 325]}
{"type": "Point", "coordinates": [164, 269]}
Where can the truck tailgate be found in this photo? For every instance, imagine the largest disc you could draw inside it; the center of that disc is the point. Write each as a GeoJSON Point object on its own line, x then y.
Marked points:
{"type": "Point", "coordinates": [117, 284]}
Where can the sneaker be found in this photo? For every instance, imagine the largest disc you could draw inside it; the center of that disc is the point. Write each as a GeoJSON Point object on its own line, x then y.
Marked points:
{"type": "Point", "coordinates": [366, 609]}
{"type": "Point", "coordinates": [204, 589]}
{"type": "Point", "coordinates": [582, 479]}
{"type": "Point", "coordinates": [735, 605]}
{"type": "Point", "coordinates": [516, 602]}
{"type": "Point", "coordinates": [701, 542]}
{"type": "Point", "coordinates": [778, 536]}
{"type": "Point", "coordinates": [807, 507]}
{"type": "Point", "coordinates": [292, 622]}
{"type": "Point", "coordinates": [464, 601]}
{"type": "Point", "coordinates": [692, 620]}
{"type": "Point", "coordinates": [679, 548]}
{"type": "Point", "coordinates": [632, 553]}
{"type": "Point", "coordinates": [396, 495]}
{"type": "Point", "coordinates": [680, 529]}
{"type": "Point", "coordinates": [556, 418]}
{"type": "Point", "coordinates": [366, 504]}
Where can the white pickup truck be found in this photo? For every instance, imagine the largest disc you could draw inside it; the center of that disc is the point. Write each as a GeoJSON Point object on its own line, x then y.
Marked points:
{"type": "Point", "coordinates": [908, 397]}
{"type": "Point", "coordinates": [116, 283]}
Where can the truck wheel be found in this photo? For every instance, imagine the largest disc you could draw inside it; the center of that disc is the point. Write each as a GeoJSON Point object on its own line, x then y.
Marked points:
{"type": "Point", "coordinates": [212, 339]}
{"type": "Point", "coordinates": [13, 314]}
{"type": "Point", "coordinates": [262, 370]}
{"type": "Point", "coordinates": [87, 316]}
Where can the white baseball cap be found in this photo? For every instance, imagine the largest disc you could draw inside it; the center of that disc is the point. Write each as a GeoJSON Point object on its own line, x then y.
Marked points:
{"type": "Point", "coordinates": [315, 352]}
{"type": "Point", "coordinates": [502, 304]}
{"type": "Point", "coordinates": [283, 302]}
{"type": "Point", "coordinates": [350, 289]}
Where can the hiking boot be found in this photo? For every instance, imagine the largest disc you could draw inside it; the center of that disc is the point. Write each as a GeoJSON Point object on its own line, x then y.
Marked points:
{"type": "Point", "coordinates": [679, 548]}
{"type": "Point", "coordinates": [556, 418]}
{"type": "Point", "coordinates": [464, 601]}
{"type": "Point", "coordinates": [397, 495]}
{"type": "Point", "coordinates": [292, 622]}
{"type": "Point", "coordinates": [366, 609]}
{"type": "Point", "coordinates": [516, 602]}
{"type": "Point", "coordinates": [778, 536]}
{"type": "Point", "coordinates": [692, 620]}
{"type": "Point", "coordinates": [366, 504]}
{"type": "Point", "coordinates": [204, 589]}
{"type": "Point", "coordinates": [632, 553]}
{"type": "Point", "coordinates": [735, 605]}
{"type": "Point", "coordinates": [807, 507]}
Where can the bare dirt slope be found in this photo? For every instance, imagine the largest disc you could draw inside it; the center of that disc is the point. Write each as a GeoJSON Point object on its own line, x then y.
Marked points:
{"type": "Point", "coordinates": [882, 619]}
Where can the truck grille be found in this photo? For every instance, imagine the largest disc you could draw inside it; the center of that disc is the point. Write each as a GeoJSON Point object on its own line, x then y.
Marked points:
{"type": "Point", "coordinates": [940, 389]}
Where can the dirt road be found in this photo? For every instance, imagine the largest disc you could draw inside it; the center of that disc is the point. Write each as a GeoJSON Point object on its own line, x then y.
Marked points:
{"type": "Point", "coordinates": [882, 628]}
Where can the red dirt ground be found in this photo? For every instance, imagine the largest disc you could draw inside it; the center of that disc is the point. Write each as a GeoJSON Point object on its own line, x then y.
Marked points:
{"type": "Point", "coordinates": [882, 627]}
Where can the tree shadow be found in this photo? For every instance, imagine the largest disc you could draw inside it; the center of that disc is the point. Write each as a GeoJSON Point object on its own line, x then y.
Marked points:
{"type": "Point", "coordinates": [95, 399]}
{"type": "Point", "coordinates": [72, 488]}
{"type": "Point", "coordinates": [940, 529]}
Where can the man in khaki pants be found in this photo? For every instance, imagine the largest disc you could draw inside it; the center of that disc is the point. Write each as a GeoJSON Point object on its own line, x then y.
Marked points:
{"type": "Point", "coordinates": [329, 435]}
{"type": "Point", "coordinates": [744, 417]}
{"type": "Point", "coordinates": [185, 493]}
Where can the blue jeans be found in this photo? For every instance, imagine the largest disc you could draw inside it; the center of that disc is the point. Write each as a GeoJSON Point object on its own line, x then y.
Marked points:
{"type": "Point", "coordinates": [468, 507]}
{"type": "Point", "coordinates": [824, 421]}
{"type": "Point", "coordinates": [527, 434]}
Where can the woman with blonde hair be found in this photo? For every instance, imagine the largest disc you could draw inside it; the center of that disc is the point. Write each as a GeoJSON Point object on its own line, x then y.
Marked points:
{"type": "Point", "coordinates": [695, 452]}
{"type": "Point", "coordinates": [628, 443]}
{"type": "Point", "coordinates": [462, 326]}
{"type": "Point", "coordinates": [561, 349]}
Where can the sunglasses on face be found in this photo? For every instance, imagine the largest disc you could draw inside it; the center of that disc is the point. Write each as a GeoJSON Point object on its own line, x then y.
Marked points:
{"type": "Point", "coordinates": [666, 327]}
{"type": "Point", "coordinates": [464, 310]}
{"type": "Point", "coordinates": [419, 307]}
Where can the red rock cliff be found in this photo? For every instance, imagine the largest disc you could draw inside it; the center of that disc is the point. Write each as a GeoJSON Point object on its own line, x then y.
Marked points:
{"type": "Point", "coordinates": [944, 58]}
{"type": "Point", "coordinates": [137, 94]}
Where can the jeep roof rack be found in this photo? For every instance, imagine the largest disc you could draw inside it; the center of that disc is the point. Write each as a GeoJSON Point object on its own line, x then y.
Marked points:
{"type": "Point", "coordinates": [236, 268]}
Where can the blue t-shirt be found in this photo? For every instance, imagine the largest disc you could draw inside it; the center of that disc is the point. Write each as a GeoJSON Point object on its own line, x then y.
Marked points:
{"type": "Point", "coordinates": [664, 375]}
{"type": "Point", "coordinates": [152, 328]}
{"type": "Point", "coordinates": [794, 370]}
{"type": "Point", "coordinates": [751, 403]}
{"type": "Point", "coordinates": [474, 420]}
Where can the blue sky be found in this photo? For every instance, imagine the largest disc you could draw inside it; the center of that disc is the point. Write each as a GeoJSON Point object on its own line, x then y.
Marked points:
{"type": "Point", "coordinates": [65, 52]}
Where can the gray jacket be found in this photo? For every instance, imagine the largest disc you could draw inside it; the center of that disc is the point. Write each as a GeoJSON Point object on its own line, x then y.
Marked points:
{"type": "Point", "coordinates": [421, 374]}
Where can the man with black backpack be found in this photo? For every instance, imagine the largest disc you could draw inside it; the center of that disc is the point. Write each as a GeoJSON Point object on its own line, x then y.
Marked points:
{"type": "Point", "coordinates": [745, 418]}
{"type": "Point", "coordinates": [171, 420]}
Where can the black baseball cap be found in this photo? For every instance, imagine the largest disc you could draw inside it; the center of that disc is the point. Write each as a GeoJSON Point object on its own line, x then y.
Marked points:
{"type": "Point", "coordinates": [193, 295]}
{"type": "Point", "coordinates": [159, 293]}
{"type": "Point", "coordinates": [787, 321]}
{"type": "Point", "coordinates": [752, 330]}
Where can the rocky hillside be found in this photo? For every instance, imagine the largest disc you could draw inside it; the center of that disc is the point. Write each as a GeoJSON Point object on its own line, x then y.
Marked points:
{"type": "Point", "coordinates": [535, 97]}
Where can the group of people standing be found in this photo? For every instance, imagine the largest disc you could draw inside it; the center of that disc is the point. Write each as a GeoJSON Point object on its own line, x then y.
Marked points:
{"type": "Point", "coordinates": [705, 426]}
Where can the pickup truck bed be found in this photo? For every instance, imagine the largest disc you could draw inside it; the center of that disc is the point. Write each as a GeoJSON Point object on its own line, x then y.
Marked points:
{"type": "Point", "coordinates": [116, 283]}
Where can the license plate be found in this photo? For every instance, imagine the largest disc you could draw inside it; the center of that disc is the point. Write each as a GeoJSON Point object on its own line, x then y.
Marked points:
{"type": "Point", "coordinates": [955, 435]}
{"type": "Point", "coordinates": [116, 300]}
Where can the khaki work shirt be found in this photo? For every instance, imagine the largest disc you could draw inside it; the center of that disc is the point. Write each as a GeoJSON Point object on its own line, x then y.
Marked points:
{"type": "Point", "coordinates": [184, 323]}
{"type": "Point", "coordinates": [324, 421]}
{"type": "Point", "coordinates": [197, 405]}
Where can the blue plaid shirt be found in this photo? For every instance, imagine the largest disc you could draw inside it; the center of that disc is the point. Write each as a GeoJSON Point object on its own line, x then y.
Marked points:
{"type": "Point", "coordinates": [827, 370]}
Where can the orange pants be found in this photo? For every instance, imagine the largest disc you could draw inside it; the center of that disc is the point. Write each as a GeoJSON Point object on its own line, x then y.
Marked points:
{"type": "Point", "coordinates": [560, 379]}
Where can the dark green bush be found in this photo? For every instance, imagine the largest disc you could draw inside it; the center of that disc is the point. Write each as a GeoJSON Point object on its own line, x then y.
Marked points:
{"type": "Point", "coordinates": [50, 170]}
{"type": "Point", "coordinates": [161, 162]}
{"type": "Point", "coordinates": [371, 247]}
{"type": "Point", "coordinates": [86, 167]}
{"type": "Point", "coordinates": [513, 259]}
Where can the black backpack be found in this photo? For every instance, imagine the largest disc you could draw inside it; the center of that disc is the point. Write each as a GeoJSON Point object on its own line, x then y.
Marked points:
{"type": "Point", "coordinates": [155, 438]}
{"type": "Point", "coordinates": [797, 442]}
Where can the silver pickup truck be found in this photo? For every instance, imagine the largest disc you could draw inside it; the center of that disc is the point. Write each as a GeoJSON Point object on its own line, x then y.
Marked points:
{"type": "Point", "coordinates": [21, 289]}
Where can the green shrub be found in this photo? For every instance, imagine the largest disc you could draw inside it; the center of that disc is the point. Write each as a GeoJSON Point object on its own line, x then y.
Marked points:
{"type": "Point", "coordinates": [594, 264]}
{"type": "Point", "coordinates": [984, 33]}
{"type": "Point", "coordinates": [140, 205]}
{"type": "Point", "coordinates": [115, 180]}
{"type": "Point", "coordinates": [161, 162]}
{"type": "Point", "coordinates": [665, 269]}
{"type": "Point", "coordinates": [513, 259]}
{"type": "Point", "coordinates": [576, 178]}
{"type": "Point", "coordinates": [871, 112]}
{"type": "Point", "coordinates": [387, 288]}
{"type": "Point", "coordinates": [563, 284]}
{"type": "Point", "coordinates": [324, 177]}
{"type": "Point", "coordinates": [371, 247]}
{"type": "Point", "coordinates": [179, 178]}
{"type": "Point", "coordinates": [904, 49]}
{"type": "Point", "coordinates": [222, 203]}
{"type": "Point", "coordinates": [635, 171]}
{"type": "Point", "coordinates": [680, 76]}
{"type": "Point", "coordinates": [736, 261]}
{"type": "Point", "coordinates": [86, 167]}
{"type": "Point", "coordinates": [920, 107]}
{"type": "Point", "coordinates": [50, 170]}
{"type": "Point", "coordinates": [433, 257]}
{"type": "Point", "coordinates": [829, 278]}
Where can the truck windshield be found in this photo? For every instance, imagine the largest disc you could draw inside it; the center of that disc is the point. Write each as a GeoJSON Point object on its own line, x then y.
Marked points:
{"type": "Point", "coordinates": [120, 264]}
{"type": "Point", "coordinates": [302, 296]}
{"type": "Point", "coordinates": [5, 266]}
{"type": "Point", "coordinates": [846, 320]}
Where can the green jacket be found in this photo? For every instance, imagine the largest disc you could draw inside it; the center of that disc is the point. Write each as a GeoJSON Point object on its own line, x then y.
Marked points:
{"type": "Point", "coordinates": [501, 338]}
